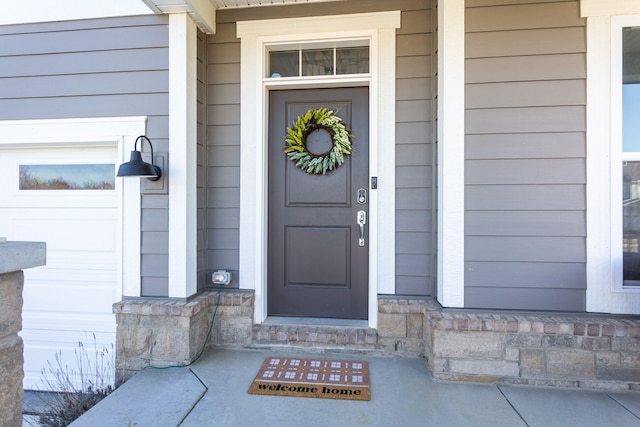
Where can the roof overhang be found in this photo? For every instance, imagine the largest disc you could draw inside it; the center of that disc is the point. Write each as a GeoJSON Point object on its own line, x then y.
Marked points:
{"type": "Point", "coordinates": [203, 12]}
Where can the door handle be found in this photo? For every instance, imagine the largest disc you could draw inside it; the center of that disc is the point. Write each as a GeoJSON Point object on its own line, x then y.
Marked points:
{"type": "Point", "coordinates": [361, 220]}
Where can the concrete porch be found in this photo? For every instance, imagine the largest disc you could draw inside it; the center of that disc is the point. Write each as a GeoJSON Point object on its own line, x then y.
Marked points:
{"type": "Point", "coordinates": [214, 392]}
{"type": "Point", "coordinates": [540, 349]}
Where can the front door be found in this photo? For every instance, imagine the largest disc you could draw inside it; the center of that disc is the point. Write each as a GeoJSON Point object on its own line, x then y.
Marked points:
{"type": "Point", "coordinates": [317, 252]}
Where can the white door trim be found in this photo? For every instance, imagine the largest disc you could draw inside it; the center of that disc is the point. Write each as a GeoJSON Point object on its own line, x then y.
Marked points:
{"type": "Point", "coordinates": [380, 30]}
{"type": "Point", "coordinates": [115, 131]}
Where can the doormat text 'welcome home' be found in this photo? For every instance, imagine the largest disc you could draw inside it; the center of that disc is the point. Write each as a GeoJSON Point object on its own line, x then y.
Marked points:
{"type": "Point", "coordinates": [330, 379]}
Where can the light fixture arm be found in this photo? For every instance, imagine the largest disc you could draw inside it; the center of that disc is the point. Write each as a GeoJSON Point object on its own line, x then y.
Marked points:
{"type": "Point", "coordinates": [135, 146]}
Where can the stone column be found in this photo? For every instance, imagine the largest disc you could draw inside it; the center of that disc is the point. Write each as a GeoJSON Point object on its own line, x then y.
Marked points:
{"type": "Point", "coordinates": [14, 257]}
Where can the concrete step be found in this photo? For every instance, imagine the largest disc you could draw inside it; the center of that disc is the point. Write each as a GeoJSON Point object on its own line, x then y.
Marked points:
{"type": "Point", "coordinates": [313, 336]}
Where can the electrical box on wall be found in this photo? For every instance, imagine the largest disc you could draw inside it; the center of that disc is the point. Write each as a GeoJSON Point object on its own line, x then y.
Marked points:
{"type": "Point", "coordinates": [221, 277]}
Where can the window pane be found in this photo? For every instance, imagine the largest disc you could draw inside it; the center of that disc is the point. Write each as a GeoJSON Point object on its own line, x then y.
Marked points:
{"type": "Point", "coordinates": [67, 177]}
{"type": "Point", "coordinates": [318, 62]}
{"type": "Point", "coordinates": [631, 222]}
{"type": "Point", "coordinates": [352, 60]}
{"type": "Point", "coordinates": [631, 89]}
{"type": "Point", "coordinates": [285, 63]}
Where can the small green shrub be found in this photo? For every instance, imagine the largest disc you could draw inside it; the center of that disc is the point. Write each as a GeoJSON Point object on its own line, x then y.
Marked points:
{"type": "Point", "coordinates": [77, 389]}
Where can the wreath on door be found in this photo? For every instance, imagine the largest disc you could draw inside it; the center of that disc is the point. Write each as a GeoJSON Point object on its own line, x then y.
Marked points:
{"type": "Point", "coordinates": [296, 141]}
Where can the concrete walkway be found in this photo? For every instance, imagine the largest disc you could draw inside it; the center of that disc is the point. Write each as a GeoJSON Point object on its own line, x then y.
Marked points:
{"type": "Point", "coordinates": [213, 392]}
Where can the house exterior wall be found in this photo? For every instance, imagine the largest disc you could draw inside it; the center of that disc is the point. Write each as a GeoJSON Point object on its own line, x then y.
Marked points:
{"type": "Point", "coordinates": [525, 155]}
{"type": "Point", "coordinates": [97, 68]}
{"type": "Point", "coordinates": [414, 89]}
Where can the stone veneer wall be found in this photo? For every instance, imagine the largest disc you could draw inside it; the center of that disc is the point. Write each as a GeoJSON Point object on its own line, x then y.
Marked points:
{"type": "Point", "coordinates": [11, 348]}
{"type": "Point", "coordinates": [165, 332]}
{"type": "Point", "coordinates": [590, 351]}
{"type": "Point", "coordinates": [14, 256]}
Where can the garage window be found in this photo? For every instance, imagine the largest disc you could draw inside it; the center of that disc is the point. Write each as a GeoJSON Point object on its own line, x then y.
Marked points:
{"type": "Point", "coordinates": [67, 177]}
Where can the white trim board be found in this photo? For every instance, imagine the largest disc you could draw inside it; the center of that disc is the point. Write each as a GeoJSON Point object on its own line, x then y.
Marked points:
{"type": "Point", "coordinates": [182, 173]}
{"type": "Point", "coordinates": [116, 131]}
{"type": "Point", "coordinates": [605, 292]}
{"type": "Point", "coordinates": [29, 11]}
{"type": "Point", "coordinates": [380, 30]}
{"type": "Point", "coordinates": [450, 257]}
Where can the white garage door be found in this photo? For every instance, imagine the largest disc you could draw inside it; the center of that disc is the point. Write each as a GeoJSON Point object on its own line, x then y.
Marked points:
{"type": "Point", "coordinates": [66, 197]}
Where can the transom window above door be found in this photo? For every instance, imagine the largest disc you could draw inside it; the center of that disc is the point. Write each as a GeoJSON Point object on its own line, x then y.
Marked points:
{"type": "Point", "coordinates": [318, 60]}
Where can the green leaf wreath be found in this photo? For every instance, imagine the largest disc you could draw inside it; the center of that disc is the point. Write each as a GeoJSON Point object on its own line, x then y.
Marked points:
{"type": "Point", "coordinates": [296, 138]}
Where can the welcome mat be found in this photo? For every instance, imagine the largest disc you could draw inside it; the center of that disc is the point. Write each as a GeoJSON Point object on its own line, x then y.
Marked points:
{"type": "Point", "coordinates": [329, 379]}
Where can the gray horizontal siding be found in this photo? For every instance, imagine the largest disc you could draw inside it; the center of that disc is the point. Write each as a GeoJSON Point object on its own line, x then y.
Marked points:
{"type": "Point", "coordinates": [526, 298]}
{"type": "Point", "coordinates": [223, 151]}
{"type": "Point", "coordinates": [518, 274]}
{"type": "Point", "coordinates": [525, 173]}
{"type": "Point", "coordinates": [96, 68]}
{"type": "Point", "coordinates": [525, 248]}
{"type": "Point", "coordinates": [414, 153]}
{"type": "Point", "coordinates": [413, 135]}
{"type": "Point", "coordinates": [525, 223]}
{"type": "Point", "coordinates": [526, 68]}
{"type": "Point", "coordinates": [538, 145]}
{"type": "Point", "coordinates": [74, 63]}
{"type": "Point", "coordinates": [525, 197]}
{"type": "Point", "coordinates": [94, 84]}
{"type": "Point", "coordinates": [203, 278]}
{"type": "Point", "coordinates": [525, 94]}
{"type": "Point", "coordinates": [488, 17]}
{"type": "Point", "coordinates": [526, 42]}
{"type": "Point", "coordinates": [521, 120]}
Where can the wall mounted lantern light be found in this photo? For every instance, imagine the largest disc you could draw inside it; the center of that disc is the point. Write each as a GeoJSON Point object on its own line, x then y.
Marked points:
{"type": "Point", "coordinates": [137, 167]}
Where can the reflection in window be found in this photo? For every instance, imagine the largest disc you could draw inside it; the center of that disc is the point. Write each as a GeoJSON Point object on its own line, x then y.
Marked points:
{"type": "Point", "coordinates": [319, 62]}
{"type": "Point", "coordinates": [352, 60]}
{"type": "Point", "coordinates": [631, 222]}
{"type": "Point", "coordinates": [286, 63]}
{"type": "Point", "coordinates": [631, 149]}
{"type": "Point", "coordinates": [67, 177]}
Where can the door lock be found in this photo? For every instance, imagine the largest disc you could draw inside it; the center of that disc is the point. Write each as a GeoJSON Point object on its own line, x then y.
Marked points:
{"type": "Point", "coordinates": [362, 196]}
{"type": "Point", "coordinates": [361, 220]}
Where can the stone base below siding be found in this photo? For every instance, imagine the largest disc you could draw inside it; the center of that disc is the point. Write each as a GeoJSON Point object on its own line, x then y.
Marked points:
{"type": "Point", "coordinates": [566, 351]}
{"type": "Point", "coordinates": [164, 332]}
{"type": "Point", "coordinates": [588, 351]}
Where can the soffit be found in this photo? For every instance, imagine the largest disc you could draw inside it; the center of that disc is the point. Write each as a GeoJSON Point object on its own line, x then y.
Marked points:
{"type": "Point", "coordinates": [203, 12]}
{"type": "Point", "coordinates": [226, 4]}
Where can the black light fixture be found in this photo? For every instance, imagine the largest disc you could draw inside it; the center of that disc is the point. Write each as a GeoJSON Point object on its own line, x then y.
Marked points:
{"type": "Point", "coordinates": [137, 167]}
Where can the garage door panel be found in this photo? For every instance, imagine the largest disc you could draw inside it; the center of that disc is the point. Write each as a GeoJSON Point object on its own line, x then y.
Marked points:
{"type": "Point", "coordinates": [70, 298]}
{"type": "Point", "coordinates": [71, 232]}
{"type": "Point", "coordinates": [40, 350]}
{"type": "Point", "coordinates": [58, 297]}
{"type": "Point", "coordinates": [82, 326]}
{"type": "Point", "coordinates": [57, 260]}
{"type": "Point", "coordinates": [104, 276]}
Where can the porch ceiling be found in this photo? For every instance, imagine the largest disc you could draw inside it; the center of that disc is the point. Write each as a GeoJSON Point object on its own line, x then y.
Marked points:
{"type": "Point", "coordinates": [203, 11]}
{"type": "Point", "coordinates": [225, 4]}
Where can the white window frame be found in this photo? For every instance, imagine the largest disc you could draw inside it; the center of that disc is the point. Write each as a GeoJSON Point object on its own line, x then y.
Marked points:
{"type": "Point", "coordinates": [120, 132]}
{"type": "Point", "coordinates": [256, 36]}
{"type": "Point", "coordinates": [605, 20]}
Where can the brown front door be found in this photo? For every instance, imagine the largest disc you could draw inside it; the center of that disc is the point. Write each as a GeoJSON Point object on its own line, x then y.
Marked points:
{"type": "Point", "coordinates": [317, 266]}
